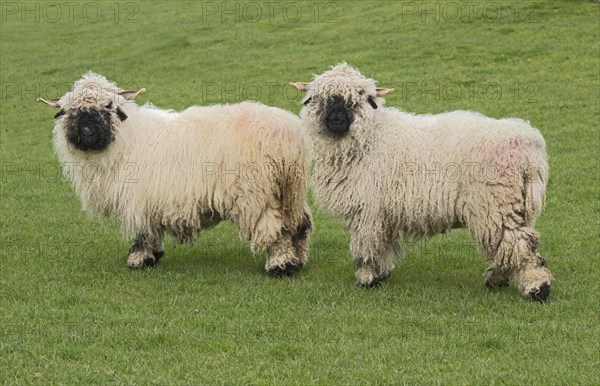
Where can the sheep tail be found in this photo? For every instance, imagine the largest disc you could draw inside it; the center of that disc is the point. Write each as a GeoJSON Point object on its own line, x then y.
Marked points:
{"type": "Point", "coordinates": [293, 185]}
{"type": "Point", "coordinates": [535, 179]}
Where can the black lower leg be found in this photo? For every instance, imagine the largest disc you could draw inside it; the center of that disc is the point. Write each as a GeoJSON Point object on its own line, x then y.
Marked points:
{"type": "Point", "coordinates": [304, 229]}
{"type": "Point", "coordinates": [140, 243]}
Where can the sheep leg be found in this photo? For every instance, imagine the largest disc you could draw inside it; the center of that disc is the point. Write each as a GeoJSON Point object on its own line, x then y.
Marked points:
{"type": "Point", "coordinates": [374, 260]}
{"type": "Point", "coordinates": [300, 238]}
{"type": "Point", "coordinates": [498, 276]}
{"type": "Point", "coordinates": [269, 231]}
{"type": "Point", "coordinates": [145, 251]}
{"type": "Point", "coordinates": [517, 257]}
{"type": "Point", "coordinates": [532, 276]}
{"type": "Point", "coordinates": [281, 257]}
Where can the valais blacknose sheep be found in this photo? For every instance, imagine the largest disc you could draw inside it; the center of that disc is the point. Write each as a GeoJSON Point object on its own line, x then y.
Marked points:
{"type": "Point", "coordinates": [389, 173]}
{"type": "Point", "coordinates": [164, 172]}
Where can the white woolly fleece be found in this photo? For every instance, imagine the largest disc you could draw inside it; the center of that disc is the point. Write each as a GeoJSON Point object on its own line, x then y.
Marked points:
{"type": "Point", "coordinates": [183, 171]}
{"type": "Point", "coordinates": [398, 173]}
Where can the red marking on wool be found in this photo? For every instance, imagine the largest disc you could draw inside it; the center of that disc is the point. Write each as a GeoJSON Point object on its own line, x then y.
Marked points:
{"type": "Point", "coordinates": [242, 122]}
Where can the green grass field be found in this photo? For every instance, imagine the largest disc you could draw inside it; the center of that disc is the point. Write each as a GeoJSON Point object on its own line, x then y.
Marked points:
{"type": "Point", "coordinates": [71, 311]}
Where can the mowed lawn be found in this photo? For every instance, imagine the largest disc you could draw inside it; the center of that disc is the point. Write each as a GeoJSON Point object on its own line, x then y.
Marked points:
{"type": "Point", "coordinates": [71, 311]}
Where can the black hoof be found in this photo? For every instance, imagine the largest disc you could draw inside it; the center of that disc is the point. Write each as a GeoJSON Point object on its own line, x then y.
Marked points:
{"type": "Point", "coordinates": [375, 282]}
{"type": "Point", "coordinates": [158, 255]}
{"type": "Point", "coordinates": [541, 294]}
{"type": "Point", "coordinates": [149, 261]}
{"type": "Point", "coordinates": [288, 269]}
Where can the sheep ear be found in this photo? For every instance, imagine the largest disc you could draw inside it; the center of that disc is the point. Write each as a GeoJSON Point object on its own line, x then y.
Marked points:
{"type": "Point", "coordinates": [300, 86]}
{"type": "Point", "coordinates": [381, 91]}
{"type": "Point", "coordinates": [51, 102]}
{"type": "Point", "coordinates": [372, 103]}
{"type": "Point", "coordinates": [131, 94]}
{"type": "Point", "coordinates": [122, 116]}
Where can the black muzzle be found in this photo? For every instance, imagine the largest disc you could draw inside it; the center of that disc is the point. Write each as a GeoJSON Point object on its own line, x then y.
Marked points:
{"type": "Point", "coordinates": [338, 115]}
{"type": "Point", "coordinates": [90, 129]}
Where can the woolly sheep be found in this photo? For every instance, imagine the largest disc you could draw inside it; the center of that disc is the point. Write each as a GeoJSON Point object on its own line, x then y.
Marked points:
{"type": "Point", "coordinates": [178, 173]}
{"type": "Point", "coordinates": [389, 173]}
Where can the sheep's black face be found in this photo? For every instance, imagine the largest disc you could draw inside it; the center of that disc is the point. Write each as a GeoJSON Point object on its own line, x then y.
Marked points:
{"type": "Point", "coordinates": [338, 115]}
{"type": "Point", "coordinates": [90, 128]}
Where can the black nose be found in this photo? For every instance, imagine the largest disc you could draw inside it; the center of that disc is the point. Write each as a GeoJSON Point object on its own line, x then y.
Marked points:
{"type": "Point", "coordinates": [89, 128]}
{"type": "Point", "coordinates": [337, 121]}
{"type": "Point", "coordinates": [338, 115]}
{"type": "Point", "coordinates": [87, 131]}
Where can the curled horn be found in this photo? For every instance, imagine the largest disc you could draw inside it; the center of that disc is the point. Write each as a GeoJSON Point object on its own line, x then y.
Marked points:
{"type": "Point", "coordinates": [50, 102]}
{"type": "Point", "coordinates": [300, 86]}
{"type": "Point", "coordinates": [383, 91]}
{"type": "Point", "coordinates": [131, 94]}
